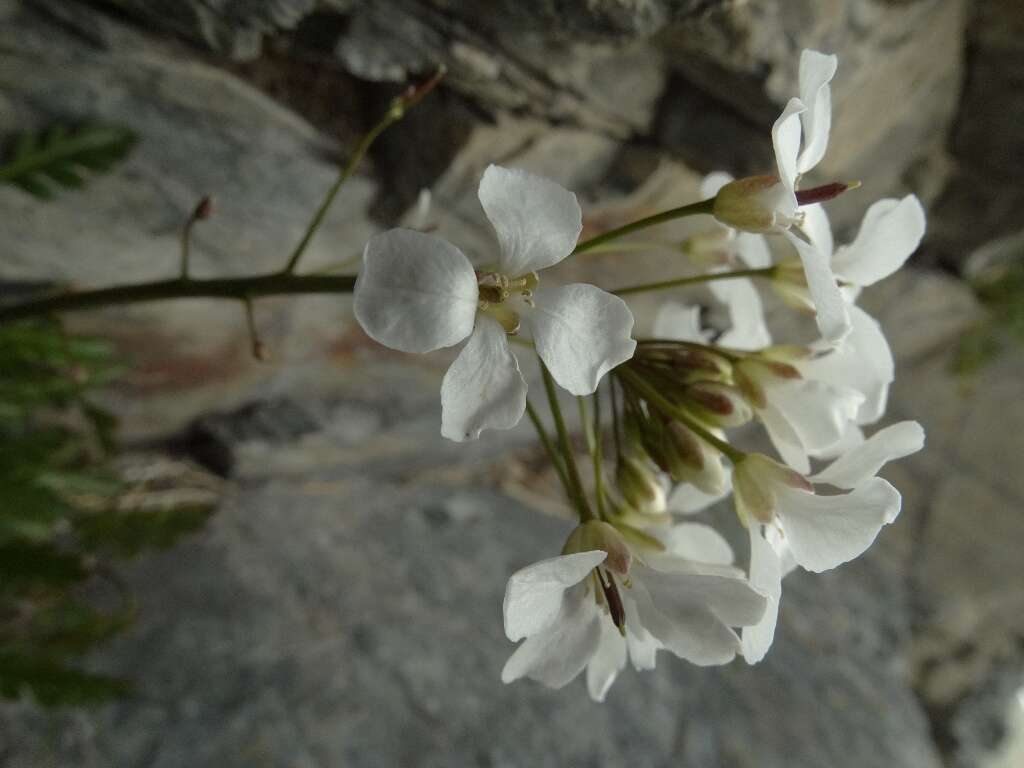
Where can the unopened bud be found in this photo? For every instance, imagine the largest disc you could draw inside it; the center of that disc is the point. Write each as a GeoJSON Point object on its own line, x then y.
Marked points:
{"type": "Point", "coordinates": [639, 485]}
{"type": "Point", "coordinates": [719, 404]}
{"type": "Point", "coordinates": [204, 209]}
{"type": "Point", "coordinates": [697, 462]}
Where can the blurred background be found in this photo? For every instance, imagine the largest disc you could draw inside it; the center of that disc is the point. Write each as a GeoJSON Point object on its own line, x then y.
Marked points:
{"type": "Point", "coordinates": [305, 573]}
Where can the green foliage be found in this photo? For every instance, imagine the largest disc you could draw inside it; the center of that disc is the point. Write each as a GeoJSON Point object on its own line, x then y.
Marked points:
{"type": "Point", "coordinates": [1001, 291]}
{"type": "Point", "coordinates": [58, 156]}
{"type": "Point", "coordinates": [66, 515]}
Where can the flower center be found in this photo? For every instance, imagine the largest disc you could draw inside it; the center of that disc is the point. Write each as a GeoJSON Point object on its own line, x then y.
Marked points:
{"type": "Point", "coordinates": [497, 290]}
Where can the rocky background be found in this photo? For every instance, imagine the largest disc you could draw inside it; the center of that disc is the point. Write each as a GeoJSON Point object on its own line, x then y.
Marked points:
{"type": "Point", "coordinates": [343, 606]}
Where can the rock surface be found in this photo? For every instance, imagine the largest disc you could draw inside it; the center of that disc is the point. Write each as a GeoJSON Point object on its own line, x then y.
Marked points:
{"type": "Point", "coordinates": [344, 605]}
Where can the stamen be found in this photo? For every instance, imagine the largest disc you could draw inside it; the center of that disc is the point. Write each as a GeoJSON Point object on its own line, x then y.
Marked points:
{"type": "Point", "coordinates": [614, 600]}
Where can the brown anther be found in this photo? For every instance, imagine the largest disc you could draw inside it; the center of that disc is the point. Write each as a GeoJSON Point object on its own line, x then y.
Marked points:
{"type": "Point", "coordinates": [715, 402]}
{"type": "Point", "coordinates": [613, 599]}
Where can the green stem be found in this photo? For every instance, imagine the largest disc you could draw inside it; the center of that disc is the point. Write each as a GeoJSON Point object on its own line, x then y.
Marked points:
{"type": "Point", "coordinates": [567, 451]}
{"type": "Point", "coordinates": [766, 272]}
{"type": "Point", "coordinates": [704, 206]}
{"type": "Point", "coordinates": [593, 433]}
{"type": "Point", "coordinates": [549, 448]}
{"type": "Point", "coordinates": [275, 284]}
{"type": "Point", "coordinates": [652, 396]}
{"type": "Point", "coordinates": [396, 112]}
{"type": "Point", "coordinates": [711, 349]}
{"type": "Point", "coordinates": [67, 149]}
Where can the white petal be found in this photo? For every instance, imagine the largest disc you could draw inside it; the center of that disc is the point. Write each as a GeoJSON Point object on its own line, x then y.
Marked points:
{"type": "Point", "coordinates": [694, 634]}
{"type": "Point", "coordinates": [687, 499]}
{"type": "Point", "coordinates": [642, 645]}
{"type": "Point", "coordinates": [581, 333]}
{"type": "Point", "coordinates": [852, 437]}
{"type": "Point", "coordinates": [697, 542]}
{"type": "Point", "coordinates": [864, 461]}
{"type": "Point", "coordinates": [533, 595]}
{"type": "Point", "coordinates": [831, 311]}
{"type": "Point", "coordinates": [766, 576]}
{"type": "Point", "coordinates": [537, 221]}
{"type": "Point", "coordinates": [483, 388]}
{"type": "Point", "coordinates": [826, 531]}
{"type": "Point", "coordinates": [720, 589]}
{"type": "Point", "coordinates": [863, 362]}
{"type": "Point", "coordinates": [415, 292]}
{"type": "Point", "coordinates": [890, 232]}
{"type": "Point", "coordinates": [785, 439]}
{"type": "Point", "coordinates": [607, 661]}
{"type": "Point", "coordinates": [679, 322]}
{"type": "Point", "coordinates": [816, 72]}
{"type": "Point", "coordinates": [748, 329]}
{"type": "Point", "coordinates": [713, 182]}
{"type": "Point", "coordinates": [753, 250]}
{"type": "Point", "coordinates": [786, 142]}
{"type": "Point", "coordinates": [817, 412]}
{"type": "Point", "coordinates": [557, 654]}
{"type": "Point", "coordinates": [818, 228]}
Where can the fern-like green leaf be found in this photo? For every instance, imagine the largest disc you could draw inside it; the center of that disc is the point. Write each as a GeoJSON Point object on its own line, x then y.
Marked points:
{"type": "Point", "coordinates": [61, 157]}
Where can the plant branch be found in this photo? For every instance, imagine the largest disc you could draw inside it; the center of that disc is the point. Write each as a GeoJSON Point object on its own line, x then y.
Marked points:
{"type": "Point", "coordinates": [572, 472]}
{"type": "Point", "coordinates": [410, 98]}
{"type": "Point", "coordinates": [765, 272]}
{"type": "Point", "coordinates": [704, 206]}
{"type": "Point", "coordinates": [239, 288]}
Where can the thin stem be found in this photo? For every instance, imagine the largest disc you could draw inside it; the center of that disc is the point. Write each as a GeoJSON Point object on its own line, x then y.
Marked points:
{"type": "Point", "coordinates": [634, 246]}
{"type": "Point", "coordinates": [711, 349]}
{"type": "Point", "coordinates": [259, 351]}
{"type": "Point", "coordinates": [616, 427]}
{"type": "Point", "coordinates": [221, 288]}
{"type": "Point", "coordinates": [766, 272]}
{"type": "Point", "coordinates": [549, 448]}
{"type": "Point", "coordinates": [704, 206]}
{"type": "Point", "coordinates": [597, 455]}
{"type": "Point", "coordinates": [396, 112]}
{"type": "Point", "coordinates": [652, 396]}
{"type": "Point", "coordinates": [567, 451]}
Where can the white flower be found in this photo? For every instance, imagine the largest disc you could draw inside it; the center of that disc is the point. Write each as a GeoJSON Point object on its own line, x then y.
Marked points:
{"type": "Point", "coordinates": [594, 609]}
{"type": "Point", "coordinates": [890, 233]}
{"type": "Point", "coordinates": [418, 293]}
{"type": "Point", "coordinates": [791, 525]}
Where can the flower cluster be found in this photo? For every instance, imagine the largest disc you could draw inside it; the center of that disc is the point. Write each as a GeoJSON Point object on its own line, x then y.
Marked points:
{"type": "Point", "coordinates": [632, 578]}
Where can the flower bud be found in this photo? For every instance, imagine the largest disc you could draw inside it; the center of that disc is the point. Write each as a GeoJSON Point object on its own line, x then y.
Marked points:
{"type": "Point", "coordinates": [639, 486]}
{"type": "Point", "coordinates": [718, 404]}
{"type": "Point", "coordinates": [695, 461]}
{"type": "Point", "coordinates": [755, 204]}
{"type": "Point", "coordinates": [753, 372]}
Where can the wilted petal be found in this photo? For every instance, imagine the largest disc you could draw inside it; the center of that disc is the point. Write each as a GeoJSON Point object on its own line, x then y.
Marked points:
{"type": "Point", "coordinates": [816, 72]}
{"type": "Point", "coordinates": [766, 576]}
{"type": "Point", "coordinates": [558, 653]}
{"type": "Point", "coordinates": [863, 361]}
{"type": "Point", "coordinates": [537, 221]}
{"type": "Point", "coordinates": [786, 142]}
{"type": "Point", "coordinates": [864, 461]}
{"type": "Point", "coordinates": [832, 313]}
{"type": "Point", "coordinates": [748, 329]}
{"type": "Point", "coordinates": [826, 531]}
{"type": "Point", "coordinates": [483, 388]}
{"type": "Point", "coordinates": [533, 595]}
{"type": "Point", "coordinates": [607, 661]}
{"type": "Point", "coordinates": [679, 322]}
{"type": "Point", "coordinates": [581, 333]}
{"type": "Point", "coordinates": [891, 231]}
{"type": "Point", "coordinates": [416, 292]}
